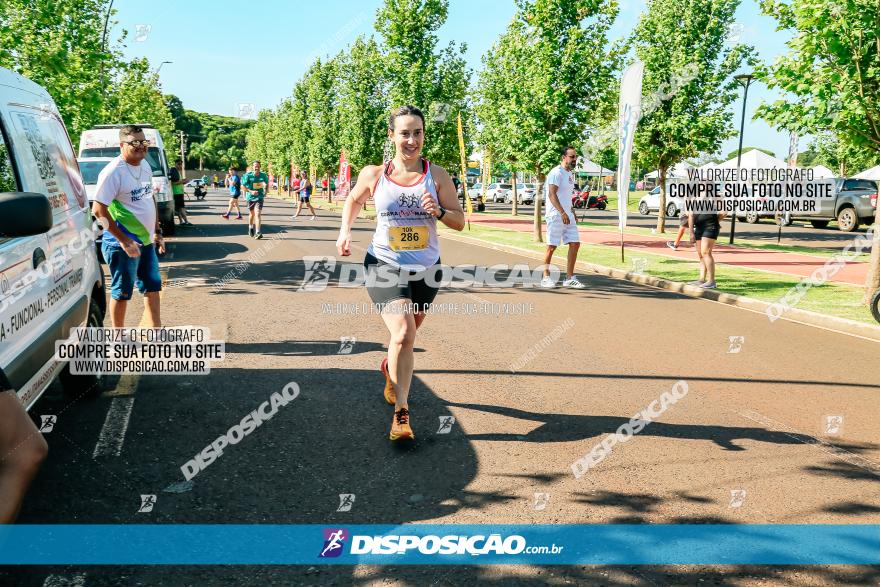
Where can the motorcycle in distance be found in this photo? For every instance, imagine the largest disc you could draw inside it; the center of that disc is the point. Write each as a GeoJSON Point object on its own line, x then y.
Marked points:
{"type": "Point", "coordinates": [585, 200]}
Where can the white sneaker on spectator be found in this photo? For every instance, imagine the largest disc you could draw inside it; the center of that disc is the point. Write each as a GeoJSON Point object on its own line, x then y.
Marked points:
{"type": "Point", "coordinates": [573, 283]}
{"type": "Point", "coordinates": [548, 282]}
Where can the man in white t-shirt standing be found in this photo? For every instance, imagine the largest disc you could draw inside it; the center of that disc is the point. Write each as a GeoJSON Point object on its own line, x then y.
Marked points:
{"type": "Point", "coordinates": [561, 223]}
{"type": "Point", "coordinates": [124, 202]}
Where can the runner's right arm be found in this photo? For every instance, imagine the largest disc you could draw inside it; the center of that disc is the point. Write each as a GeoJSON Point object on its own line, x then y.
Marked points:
{"type": "Point", "coordinates": [355, 201]}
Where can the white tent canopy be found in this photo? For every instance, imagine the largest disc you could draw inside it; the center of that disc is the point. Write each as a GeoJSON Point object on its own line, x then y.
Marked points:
{"type": "Point", "coordinates": [873, 173]}
{"type": "Point", "coordinates": [822, 172]}
{"type": "Point", "coordinates": [591, 169]}
{"type": "Point", "coordinates": [679, 171]}
{"type": "Point", "coordinates": [754, 159]}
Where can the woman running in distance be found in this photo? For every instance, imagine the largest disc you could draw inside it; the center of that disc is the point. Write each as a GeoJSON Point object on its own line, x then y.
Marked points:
{"type": "Point", "coordinates": [402, 262]}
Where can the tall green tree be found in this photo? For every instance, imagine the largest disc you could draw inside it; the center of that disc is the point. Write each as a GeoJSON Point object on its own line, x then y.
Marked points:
{"type": "Point", "coordinates": [297, 125]}
{"type": "Point", "coordinates": [544, 80]}
{"type": "Point", "coordinates": [496, 108]}
{"type": "Point", "coordinates": [688, 82]}
{"type": "Point", "coordinates": [198, 152]}
{"type": "Point", "coordinates": [842, 157]}
{"type": "Point", "coordinates": [363, 106]}
{"type": "Point", "coordinates": [322, 117]}
{"type": "Point", "coordinates": [259, 138]}
{"type": "Point", "coordinates": [136, 97]}
{"type": "Point", "coordinates": [418, 74]}
{"type": "Point", "coordinates": [832, 79]}
{"type": "Point", "coordinates": [58, 44]}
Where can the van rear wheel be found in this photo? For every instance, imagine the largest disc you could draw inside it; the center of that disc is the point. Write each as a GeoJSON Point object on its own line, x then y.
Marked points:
{"type": "Point", "coordinates": [77, 386]}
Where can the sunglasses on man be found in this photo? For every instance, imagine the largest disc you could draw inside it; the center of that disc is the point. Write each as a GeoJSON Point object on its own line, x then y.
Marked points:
{"type": "Point", "coordinates": [144, 143]}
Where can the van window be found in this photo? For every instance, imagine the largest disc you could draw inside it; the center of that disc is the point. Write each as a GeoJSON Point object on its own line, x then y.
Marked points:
{"type": "Point", "coordinates": [91, 170]}
{"type": "Point", "coordinates": [49, 165]}
{"type": "Point", "coordinates": [155, 157]}
{"type": "Point", "coordinates": [7, 174]}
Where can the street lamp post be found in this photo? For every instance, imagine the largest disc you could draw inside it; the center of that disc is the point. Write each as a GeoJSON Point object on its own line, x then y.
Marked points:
{"type": "Point", "coordinates": [158, 69]}
{"type": "Point", "coordinates": [104, 46]}
{"type": "Point", "coordinates": [745, 79]}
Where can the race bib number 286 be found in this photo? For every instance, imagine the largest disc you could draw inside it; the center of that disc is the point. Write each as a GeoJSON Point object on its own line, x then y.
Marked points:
{"type": "Point", "coordinates": [407, 238]}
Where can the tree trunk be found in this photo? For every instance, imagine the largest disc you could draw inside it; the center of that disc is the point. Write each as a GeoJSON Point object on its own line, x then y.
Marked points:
{"type": "Point", "coordinates": [515, 198]}
{"type": "Point", "coordinates": [661, 213]}
{"type": "Point", "coordinates": [201, 163]}
{"type": "Point", "coordinates": [872, 284]}
{"type": "Point", "coordinates": [540, 190]}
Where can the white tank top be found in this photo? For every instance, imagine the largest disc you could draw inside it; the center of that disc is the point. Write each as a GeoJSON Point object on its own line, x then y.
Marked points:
{"type": "Point", "coordinates": [406, 235]}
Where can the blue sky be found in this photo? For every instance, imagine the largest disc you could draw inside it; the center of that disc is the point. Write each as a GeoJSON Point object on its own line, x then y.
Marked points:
{"type": "Point", "coordinates": [226, 53]}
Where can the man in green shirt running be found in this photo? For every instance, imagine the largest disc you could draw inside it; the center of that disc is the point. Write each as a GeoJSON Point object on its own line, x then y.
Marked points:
{"type": "Point", "coordinates": [254, 184]}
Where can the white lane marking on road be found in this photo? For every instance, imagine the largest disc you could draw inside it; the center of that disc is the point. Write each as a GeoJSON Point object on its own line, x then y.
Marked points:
{"type": "Point", "coordinates": [115, 426]}
{"type": "Point", "coordinates": [77, 580]}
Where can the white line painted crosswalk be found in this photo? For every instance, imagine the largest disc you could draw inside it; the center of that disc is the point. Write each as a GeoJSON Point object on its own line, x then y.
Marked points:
{"type": "Point", "coordinates": [112, 435]}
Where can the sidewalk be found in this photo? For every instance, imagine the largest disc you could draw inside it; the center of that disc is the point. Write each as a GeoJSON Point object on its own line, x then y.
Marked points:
{"type": "Point", "coordinates": [795, 264]}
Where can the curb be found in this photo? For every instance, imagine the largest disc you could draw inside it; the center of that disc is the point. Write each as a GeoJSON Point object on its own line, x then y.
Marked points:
{"type": "Point", "coordinates": [842, 325]}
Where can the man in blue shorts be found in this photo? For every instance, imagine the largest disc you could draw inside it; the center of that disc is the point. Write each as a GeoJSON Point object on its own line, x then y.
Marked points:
{"type": "Point", "coordinates": [124, 202]}
{"type": "Point", "coordinates": [305, 196]}
{"type": "Point", "coordinates": [233, 182]}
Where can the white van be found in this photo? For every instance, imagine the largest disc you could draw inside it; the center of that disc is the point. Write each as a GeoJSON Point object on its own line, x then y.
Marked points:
{"type": "Point", "coordinates": [90, 169]}
{"type": "Point", "coordinates": [103, 141]}
{"type": "Point", "coordinates": [50, 279]}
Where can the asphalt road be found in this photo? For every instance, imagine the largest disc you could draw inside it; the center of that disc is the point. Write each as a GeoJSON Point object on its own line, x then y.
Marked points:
{"type": "Point", "coordinates": [754, 420]}
{"type": "Point", "coordinates": [799, 233]}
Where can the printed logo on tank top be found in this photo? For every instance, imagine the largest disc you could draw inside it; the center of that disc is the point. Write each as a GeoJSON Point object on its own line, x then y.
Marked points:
{"type": "Point", "coordinates": [408, 205]}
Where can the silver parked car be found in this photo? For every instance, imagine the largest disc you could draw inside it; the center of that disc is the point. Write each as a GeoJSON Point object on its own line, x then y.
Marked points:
{"type": "Point", "coordinates": [525, 193]}
{"type": "Point", "coordinates": [495, 191]}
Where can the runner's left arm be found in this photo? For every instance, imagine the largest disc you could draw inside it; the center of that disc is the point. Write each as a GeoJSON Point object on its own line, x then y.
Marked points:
{"type": "Point", "coordinates": [448, 199]}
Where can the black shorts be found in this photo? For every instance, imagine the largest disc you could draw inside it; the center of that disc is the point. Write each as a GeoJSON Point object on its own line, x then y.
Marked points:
{"type": "Point", "coordinates": [255, 204]}
{"type": "Point", "coordinates": [420, 288]}
{"type": "Point", "coordinates": [707, 229]}
{"type": "Point", "coordinates": [178, 201]}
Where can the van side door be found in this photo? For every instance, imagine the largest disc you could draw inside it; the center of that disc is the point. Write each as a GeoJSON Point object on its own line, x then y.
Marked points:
{"type": "Point", "coordinates": [25, 276]}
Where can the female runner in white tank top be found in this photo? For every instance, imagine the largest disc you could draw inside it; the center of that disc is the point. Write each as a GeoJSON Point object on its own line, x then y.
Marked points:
{"type": "Point", "coordinates": [411, 195]}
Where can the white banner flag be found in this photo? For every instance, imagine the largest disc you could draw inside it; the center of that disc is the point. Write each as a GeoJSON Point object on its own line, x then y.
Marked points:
{"type": "Point", "coordinates": [630, 112]}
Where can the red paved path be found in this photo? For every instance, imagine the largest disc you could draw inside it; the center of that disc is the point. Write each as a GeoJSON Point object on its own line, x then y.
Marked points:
{"type": "Point", "coordinates": [853, 273]}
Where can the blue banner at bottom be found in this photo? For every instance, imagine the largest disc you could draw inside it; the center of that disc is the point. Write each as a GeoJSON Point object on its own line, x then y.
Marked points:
{"type": "Point", "coordinates": [433, 544]}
